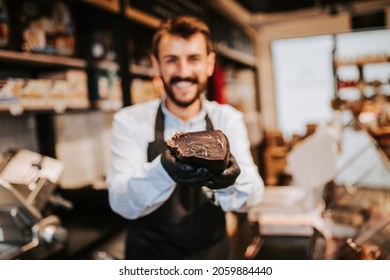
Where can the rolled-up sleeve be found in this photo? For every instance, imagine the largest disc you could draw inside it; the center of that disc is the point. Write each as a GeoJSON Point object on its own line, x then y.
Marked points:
{"type": "Point", "coordinates": [248, 189]}
{"type": "Point", "coordinates": [136, 187]}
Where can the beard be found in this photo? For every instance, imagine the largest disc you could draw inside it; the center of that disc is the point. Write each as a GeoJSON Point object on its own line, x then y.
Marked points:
{"type": "Point", "coordinates": [183, 104]}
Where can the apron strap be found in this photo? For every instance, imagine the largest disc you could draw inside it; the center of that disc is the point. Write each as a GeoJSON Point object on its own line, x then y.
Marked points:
{"type": "Point", "coordinates": [159, 125]}
{"type": "Point", "coordinates": [209, 124]}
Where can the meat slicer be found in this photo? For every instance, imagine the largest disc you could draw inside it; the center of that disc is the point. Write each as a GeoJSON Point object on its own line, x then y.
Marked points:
{"type": "Point", "coordinates": [28, 229]}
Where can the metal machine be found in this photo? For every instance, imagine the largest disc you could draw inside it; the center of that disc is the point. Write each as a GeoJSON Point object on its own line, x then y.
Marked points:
{"type": "Point", "coordinates": [28, 229]}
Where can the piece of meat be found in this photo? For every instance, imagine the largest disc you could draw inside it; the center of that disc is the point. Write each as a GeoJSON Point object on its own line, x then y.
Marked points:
{"type": "Point", "coordinates": [208, 148]}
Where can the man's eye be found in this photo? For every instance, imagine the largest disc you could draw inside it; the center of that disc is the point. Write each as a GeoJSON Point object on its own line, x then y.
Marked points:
{"type": "Point", "coordinates": [194, 58]}
{"type": "Point", "coordinates": [170, 60]}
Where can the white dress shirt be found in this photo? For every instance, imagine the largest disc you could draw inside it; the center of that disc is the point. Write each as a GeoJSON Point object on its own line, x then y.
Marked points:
{"type": "Point", "coordinates": [138, 187]}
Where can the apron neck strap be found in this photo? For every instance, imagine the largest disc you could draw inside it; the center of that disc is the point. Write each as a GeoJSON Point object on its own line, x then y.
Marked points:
{"type": "Point", "coordinates": [159, 126]}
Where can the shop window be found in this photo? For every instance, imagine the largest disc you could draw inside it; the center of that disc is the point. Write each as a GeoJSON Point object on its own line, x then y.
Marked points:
{"type": "Point", "coordinates": [303, 82]}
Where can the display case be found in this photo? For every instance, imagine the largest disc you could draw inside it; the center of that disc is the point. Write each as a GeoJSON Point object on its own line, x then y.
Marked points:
{"type": "Point", "coordinates": [357, 212]}
{"type": "Point", "coordinates": [362, 83]}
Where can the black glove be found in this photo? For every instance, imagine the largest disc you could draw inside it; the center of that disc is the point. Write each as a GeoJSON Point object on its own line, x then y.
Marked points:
{"type": "Point", "coordinates": [183, 173]}
{"type": "Point", "coordinates": [226, 178]}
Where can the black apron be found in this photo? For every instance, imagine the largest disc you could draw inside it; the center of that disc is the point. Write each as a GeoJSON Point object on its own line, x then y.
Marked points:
{"type": "Point", "coordinates": [186, 226]}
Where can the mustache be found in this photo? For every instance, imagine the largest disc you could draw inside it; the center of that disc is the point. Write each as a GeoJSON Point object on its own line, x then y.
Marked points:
{"type": "Point", "coordinates": [177, 79]}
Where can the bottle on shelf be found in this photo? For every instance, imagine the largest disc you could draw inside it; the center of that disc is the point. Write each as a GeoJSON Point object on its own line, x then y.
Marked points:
{"type": "Point", "coordinates": [4, 25]}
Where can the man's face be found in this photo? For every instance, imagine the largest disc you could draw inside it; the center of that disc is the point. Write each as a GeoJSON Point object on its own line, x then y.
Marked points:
{"type": "Point", "coordinates": [184, 67]}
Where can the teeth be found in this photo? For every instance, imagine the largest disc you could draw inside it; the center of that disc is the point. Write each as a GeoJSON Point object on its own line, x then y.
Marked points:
{"type": "Point", "coordinates": [183, 84]}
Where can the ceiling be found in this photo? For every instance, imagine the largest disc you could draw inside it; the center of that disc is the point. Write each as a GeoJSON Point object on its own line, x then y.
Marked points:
{"type": "Point", "coordinates": [278, 6]}
{"type": "Point", "coordinates": [275, 6]}
{"type": "Point", "coordinates": [257, 13]}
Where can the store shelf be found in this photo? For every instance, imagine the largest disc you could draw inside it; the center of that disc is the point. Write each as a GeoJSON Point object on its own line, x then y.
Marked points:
{"type": "Point", "coordinates": [106, 65]}
{"type": "Point", "coordinates": [235, 55]}
{"type": "Point", "coordinates": [361, 82]}
{"type": "Point", "coordinates": [110, 5]}
{"type": "Point", "coordinates": [142, 17]}
{"type": "Point", "coordinates": [109, 105]}
{"type": "Point", "coordinates": [41, 59]}
{"type": "Point", "coordinates": [17, 109]}
{"type": "Point", "coordinates": [141, 70]}
{"type": "Point", "coordinates": [360, 63]}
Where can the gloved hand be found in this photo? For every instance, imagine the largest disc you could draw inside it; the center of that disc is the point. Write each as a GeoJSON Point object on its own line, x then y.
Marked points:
{"type": "Point", "coordinates": [226, 178]}
{"type": "Point", "coordinates": [183, 173]}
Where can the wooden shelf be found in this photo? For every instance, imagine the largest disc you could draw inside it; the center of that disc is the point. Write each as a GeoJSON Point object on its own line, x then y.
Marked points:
{"type": "Point", "coordinates": [15, 108]}
{"type": "Point", "coordinates": [106, 65]}
{"type": "Point", "coordinates": [142, 17]}
{"type": "Point", "coordinates": [235, 55]}
{"type": "Point", "coordinates": [110, 5]}
{"type": "Point", "coordinates": [109, 105]}
{"type": "Point", "coordinates": [363, 85]}
{"type": "Point", "coordinates": [41, 59]}
{"type": "Point", "coordinates": [141, 70]}
{"type": "Point", "coordinates": [360, 64]}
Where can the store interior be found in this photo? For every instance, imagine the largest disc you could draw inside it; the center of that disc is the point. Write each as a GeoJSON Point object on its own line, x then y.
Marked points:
{"type": "Point", "coordinates": [312, 78]}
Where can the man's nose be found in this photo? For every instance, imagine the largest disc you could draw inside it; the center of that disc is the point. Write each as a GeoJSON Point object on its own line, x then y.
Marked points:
{"type": "Point", "coordinates": [184, 68]}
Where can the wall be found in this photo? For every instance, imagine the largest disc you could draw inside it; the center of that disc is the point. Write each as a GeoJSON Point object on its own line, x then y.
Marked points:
{"type": "Point", "coordinates": [388, 17]}
{"type": "Point", "coordinates": [17, 132]}
{"type": "Point", "coordinates": [83, 144]}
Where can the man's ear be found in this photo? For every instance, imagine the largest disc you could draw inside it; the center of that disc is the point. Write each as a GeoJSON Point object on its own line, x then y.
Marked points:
{"type": "Point", "coordinates": [210, 63]}
{"type": "Point", "coordinates": [155, 64]}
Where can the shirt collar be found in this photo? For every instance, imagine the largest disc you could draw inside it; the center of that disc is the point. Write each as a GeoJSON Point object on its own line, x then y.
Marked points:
{"type": "Point", "coordinates": [197, 118]}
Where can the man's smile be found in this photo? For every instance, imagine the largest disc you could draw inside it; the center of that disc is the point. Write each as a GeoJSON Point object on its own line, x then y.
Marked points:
{"type": "Point", "coordinates": [183, 85]}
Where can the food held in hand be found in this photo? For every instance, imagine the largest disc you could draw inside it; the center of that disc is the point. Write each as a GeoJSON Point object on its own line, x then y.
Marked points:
{"type": "Point", "coordinates": [208, 148]}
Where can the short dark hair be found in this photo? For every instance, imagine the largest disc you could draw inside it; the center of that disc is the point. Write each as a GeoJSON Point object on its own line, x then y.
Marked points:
{"type": "Point", "coordinates": [183, 26]}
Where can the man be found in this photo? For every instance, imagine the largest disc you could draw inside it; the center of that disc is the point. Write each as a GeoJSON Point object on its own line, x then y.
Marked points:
{"type": "Point", "coordinates": [176, 211]}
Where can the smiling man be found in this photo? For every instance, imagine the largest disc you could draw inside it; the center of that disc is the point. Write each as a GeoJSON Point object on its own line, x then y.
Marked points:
{"type": "Point", "coordinates": [175, 210]}
{"type": "Point", "coordinates": [185, 62]}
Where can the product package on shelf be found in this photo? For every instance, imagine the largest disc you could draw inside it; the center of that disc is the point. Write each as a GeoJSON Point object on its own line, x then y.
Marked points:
{"type": "Point", "coordinates": [8, 90]}
{"type": "Point", "coordinates": [71, 85]}
{"type": "Point", "coordinates": [109, 92]}
{"type": "Point", "coordinates": [4, 25]}
{"type": "Point", "coordinates": [48, 92]}
{"type": "Point", "coordinates": [19, 94]}
{"type": "Point", "coordinates": [144, 90]}
{"type": "Point", "coordinates": [46, 27]}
